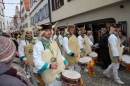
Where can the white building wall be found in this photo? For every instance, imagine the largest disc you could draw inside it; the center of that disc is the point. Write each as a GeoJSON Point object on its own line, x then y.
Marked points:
{"type": "Point", "coordinates": [112, 11]}
{"type": "Point", "coordinates": [26, 22]}
{"type": "Point", "coordinates": [75, 7]}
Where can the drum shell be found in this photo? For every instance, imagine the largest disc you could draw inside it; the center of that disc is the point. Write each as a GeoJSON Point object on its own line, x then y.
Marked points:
{"type": "Point", "coordinates": [69, 81]}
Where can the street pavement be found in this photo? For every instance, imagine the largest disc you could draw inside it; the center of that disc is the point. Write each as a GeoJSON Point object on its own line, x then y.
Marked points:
{"type": "Point", "coordinates": [100, 80]}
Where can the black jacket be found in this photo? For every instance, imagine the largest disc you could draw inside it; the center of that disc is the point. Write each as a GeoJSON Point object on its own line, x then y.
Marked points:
{"type": "Point", "coordinates": [103, 43]}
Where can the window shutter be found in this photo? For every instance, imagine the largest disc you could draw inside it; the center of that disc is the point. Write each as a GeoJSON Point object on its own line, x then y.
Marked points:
{"type": "Point", "coordinates": [52, 3]}
{"type": "Point", "coordinates": [61, 2]}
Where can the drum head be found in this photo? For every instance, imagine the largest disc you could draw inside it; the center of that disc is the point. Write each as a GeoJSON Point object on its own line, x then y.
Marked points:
{"type": "Point", "coordinates": [85, 59]}
{"type": "Point", "coordinates": [71, 74]}
{"type": "Point", "coordinates": [126, 58]}
{"type": "Point", "coordinates": [93, 54]}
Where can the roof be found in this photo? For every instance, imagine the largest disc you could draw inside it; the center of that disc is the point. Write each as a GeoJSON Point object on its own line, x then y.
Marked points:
{"type": "Point", "coordinates": [27, 5]}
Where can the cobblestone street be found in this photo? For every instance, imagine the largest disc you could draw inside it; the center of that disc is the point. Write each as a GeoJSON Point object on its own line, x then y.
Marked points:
{"type": "Point", "coordinates": [100, 80]}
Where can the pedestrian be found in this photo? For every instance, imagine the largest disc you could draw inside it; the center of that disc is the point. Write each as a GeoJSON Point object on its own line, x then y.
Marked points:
{"type": "Point", "coordinates": [103, 44]}
{"type": "Point", "coordinates": [25, 53]}
{"type": "Point", "coordinates": [90, 36]}
{"type": "Point", "coordinates": [8, 75]}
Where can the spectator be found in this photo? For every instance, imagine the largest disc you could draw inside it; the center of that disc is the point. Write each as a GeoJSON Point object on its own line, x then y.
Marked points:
{"type": "Point", "coordinates": [123, 38]}
{"type": "Point", "coordinates": [90, 36]}
{"type": "Point", "coordinates": [103, 44]}
{"type": "Point", "coordinates": [8, 75]}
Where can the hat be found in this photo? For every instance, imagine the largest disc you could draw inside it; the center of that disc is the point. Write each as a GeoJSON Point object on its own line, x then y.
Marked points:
{"type": "Point", "coordinates": [27, 30]}
{"type": "Point", "coordinates": [44, 27]}
{"type": "Point", "coordinates": [70, 26]}
{"type": "Point", "coordinates": [112, 29]}
{"type": "Point", "coordinates": [79, 29]}
{"type": "Point", "coordinates": [117, 25]}
{"type": "Point", "coordinates": [7, 49]}
{"type": "Point", "coordinates": [61, 28]}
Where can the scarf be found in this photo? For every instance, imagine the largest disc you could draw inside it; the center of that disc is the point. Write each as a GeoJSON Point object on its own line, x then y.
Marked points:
{"type": "Point", "coordinates": [62, 35]}
{"type": "Point", "coordinates": [30, 40]}
{"type": "Point", "coordinates": [82, 35]}
{"type": "Point", "coordinates": [46, 42]}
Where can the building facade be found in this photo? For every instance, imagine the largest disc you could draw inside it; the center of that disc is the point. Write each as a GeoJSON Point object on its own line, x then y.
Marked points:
{"type": "Point", "coordinates": [2, 18]}
{"type": "Point", "coordinates": [39, 12]}
{"type": "Point", "coordinates": [24, 13]}
{"type": "Point", "coordinates": [95, 14]}
{"type": "Point", "coordinates": [17, 20]}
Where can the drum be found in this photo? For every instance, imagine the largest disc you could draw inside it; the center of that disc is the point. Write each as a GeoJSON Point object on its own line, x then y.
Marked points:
{"type": "Point", "coordinates": [94, 56]}
{"type": "Point", "coordinates": [125, 60]}
{"type": "Point", "coordinates": [83, 61]}
{"type": "Point", "coordinates": [70, 78]}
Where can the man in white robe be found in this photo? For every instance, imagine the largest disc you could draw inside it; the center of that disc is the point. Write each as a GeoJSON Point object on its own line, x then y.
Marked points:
{"type": "Point", "coordinates": [43, 56]}
{"type": "Point", "coordinates": [115, 50]}
{"type": "Point", "coordinates": [28, 38]}
{"type": "Point", "coordinates": [60, 38]}
{"type": "Point", "coordinates": [56, 34]}
{"type": "Point", "coordinates": [71, 56]}
{"type": "Point", "coordinates": [80, 41]}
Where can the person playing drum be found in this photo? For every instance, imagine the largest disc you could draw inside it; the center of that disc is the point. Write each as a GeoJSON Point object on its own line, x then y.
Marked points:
{"type": "Point", "coordinates": [25, 53]}
{"type": "Point", "coordinates": [115, 51]}
{"type": "Point", "coordinates": [47, 58]}
{"type": "Point", "coordinates": [71, 48]}
{"type": "Point", "coordinates": [84, 43]}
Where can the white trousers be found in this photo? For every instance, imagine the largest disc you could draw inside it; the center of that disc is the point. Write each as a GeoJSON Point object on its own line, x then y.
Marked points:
{"type": "Point", "coordinates": [76, 68]}
{"type": "Point", "coordinates": [56, 82]}
{"type": "Point", "coordinates": [115, 67]}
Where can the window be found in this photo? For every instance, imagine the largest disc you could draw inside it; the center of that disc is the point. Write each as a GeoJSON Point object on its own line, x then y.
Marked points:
{"type": "Point", "coordinates": [36, 17]}
{"type": "Point", "coordinates": [43, 14]}
{"type": "Point", "coordinates": [0, 25]}
{"type": "Point", "coordinates": [3, 25]}
{"type": "Point", "coordinates": [40, 14]}
{"type": "Point", "coordinates": [21, 2]}
{"type": "Point", "coordinates": [32, 20]}
{"type": "Point", "coordinates": [30, 3]}
{"type": "Point", "coordinates": [56, 4]}
{"type": "Point", "coordinates": [47, 10]}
